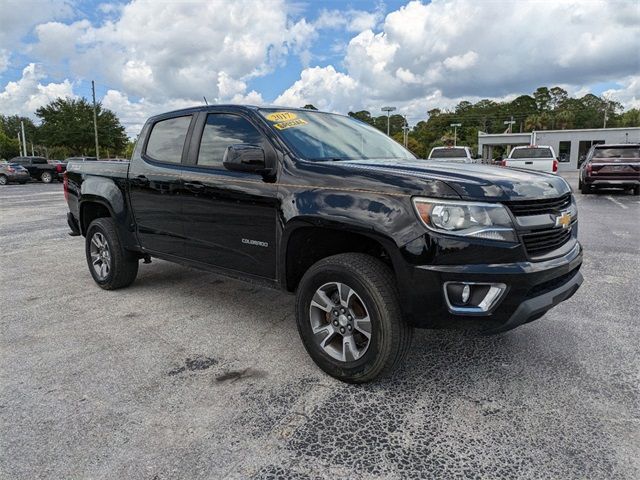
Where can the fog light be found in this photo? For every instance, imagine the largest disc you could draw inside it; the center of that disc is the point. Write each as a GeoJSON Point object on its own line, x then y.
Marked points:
{"type": "Point", "coordinates": [471, 297]}
{"type": "Point", "coordinates": [466, 291]}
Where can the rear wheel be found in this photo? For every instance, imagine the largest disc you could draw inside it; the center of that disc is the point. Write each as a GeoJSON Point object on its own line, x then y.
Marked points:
{"type": "Point", "coordinates": [636, 190]}
{"type": "Point", "coordinates": [46, 177]}
{"type": "Point", "coordinates": [3, 180]}
{"type": "Point", "coordinates": [111, 266]}
{"type": "Point", "coordinates": [585, 188]}
{"type": "Point", "coordinates": [349, 317]}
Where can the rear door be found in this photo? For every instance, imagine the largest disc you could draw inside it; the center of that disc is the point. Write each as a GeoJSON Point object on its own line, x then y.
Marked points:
{"type": "Point", "coordinates": [230, 218]}
{"type": "Point", "coordinates": [154, 184]}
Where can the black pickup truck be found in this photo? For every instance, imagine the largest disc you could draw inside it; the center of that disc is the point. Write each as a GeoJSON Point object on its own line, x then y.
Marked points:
{"type": "Point", "coordinates": [373, 241]}
{"type": "Point", "coordinates": [39, 168]}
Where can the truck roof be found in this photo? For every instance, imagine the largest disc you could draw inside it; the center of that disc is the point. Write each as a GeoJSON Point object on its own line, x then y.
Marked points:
{"type": "Point", "coordinates": [231, 106]}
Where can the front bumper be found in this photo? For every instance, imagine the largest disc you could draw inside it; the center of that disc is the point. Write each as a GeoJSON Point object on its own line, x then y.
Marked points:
{"type": "Point", "coordinates": [532, 289]}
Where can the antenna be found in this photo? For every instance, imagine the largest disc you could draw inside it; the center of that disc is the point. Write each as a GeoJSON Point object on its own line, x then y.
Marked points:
{"type": "Point", "coordinates": [205, 100]}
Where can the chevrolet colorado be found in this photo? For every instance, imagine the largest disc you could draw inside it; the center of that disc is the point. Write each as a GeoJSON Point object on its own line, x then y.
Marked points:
{"type": "Point", "coordinates": [372, 240]}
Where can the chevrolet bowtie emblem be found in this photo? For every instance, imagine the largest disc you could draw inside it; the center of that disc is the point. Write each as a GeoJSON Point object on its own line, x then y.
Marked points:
{"type": "Point", "coordinates": [564, 220]}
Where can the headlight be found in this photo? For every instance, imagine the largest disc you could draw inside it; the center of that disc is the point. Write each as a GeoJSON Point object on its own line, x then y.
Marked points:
{"type": "Point", "coordinates": [480, 220]}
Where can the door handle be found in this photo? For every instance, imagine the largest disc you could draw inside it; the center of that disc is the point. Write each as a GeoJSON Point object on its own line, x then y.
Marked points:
{"type": "Point", "coordinates": [140, 181]}
{"type": "Point", "coordinates": [194, 186]}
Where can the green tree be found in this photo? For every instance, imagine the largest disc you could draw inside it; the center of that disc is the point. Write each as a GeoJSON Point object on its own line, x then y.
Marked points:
{"type": "Point", "coordinates": [309, 106]}
{"type": "Point", "coordinates": [9, 147]}
{"type": "Point", "coordinates": [69, 122]}
{"type": "Point", "coordinates": [630, 118]}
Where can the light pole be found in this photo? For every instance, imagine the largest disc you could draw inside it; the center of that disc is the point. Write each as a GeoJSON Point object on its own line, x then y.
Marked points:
{"type": "Point", "coordinates": [388, 110]}
{"type": "Point", "coordinates": [405, 131]}
{"type": "Point", "coordinates": [455, 132]}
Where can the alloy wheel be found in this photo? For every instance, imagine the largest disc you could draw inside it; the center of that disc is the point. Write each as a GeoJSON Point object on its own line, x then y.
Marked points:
{"type": "Point", "coordinates": [340, 322]}
{"type": "Point", "coordinates": [100, 255]}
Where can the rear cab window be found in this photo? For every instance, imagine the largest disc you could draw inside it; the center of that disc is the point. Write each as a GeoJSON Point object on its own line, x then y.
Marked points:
{"type": "Point", "coordinates": [167, 139]}
{"type": "Point", "coordinates": [448, 153]}
{"type": "Point", "coordinates": [532, 153]}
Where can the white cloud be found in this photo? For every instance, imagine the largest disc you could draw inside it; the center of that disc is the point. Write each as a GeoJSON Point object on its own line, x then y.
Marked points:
{"type": "Point", "coordinates": [435, 54]}
{"type": "Point", "coordinates": [325, 88]}
{"type": "Point", "coordinates": [26, 95]}
{"type": "Point", "coordinates": [351, 20]}
{"type": "Point", "coordinates": [178, 49]}
{"type": "Point", "coordinates": [4, 59]}
{"type": "Point", "coordinates": [629, 94]}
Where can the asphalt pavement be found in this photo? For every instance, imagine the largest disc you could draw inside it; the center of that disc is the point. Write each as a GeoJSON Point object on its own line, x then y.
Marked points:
{"type": "Point", "coordinates": [187, 374]}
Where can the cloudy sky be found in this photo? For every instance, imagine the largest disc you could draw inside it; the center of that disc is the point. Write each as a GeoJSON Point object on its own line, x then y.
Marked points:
{"type": "Point", "coordinates": [149, 56]}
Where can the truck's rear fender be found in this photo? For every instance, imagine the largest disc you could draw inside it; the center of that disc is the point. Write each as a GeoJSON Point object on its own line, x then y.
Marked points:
{"type": "Point", "coordinates": [102, 197]}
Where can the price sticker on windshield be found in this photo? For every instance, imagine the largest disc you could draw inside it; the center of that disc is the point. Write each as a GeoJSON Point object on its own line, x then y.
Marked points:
{"type": "Point", "coordinates": [286, 120]}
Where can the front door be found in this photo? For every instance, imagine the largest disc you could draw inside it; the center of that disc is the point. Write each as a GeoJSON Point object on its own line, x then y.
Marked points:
{"type": "Point", "coordinates": [229, 217]}
{"type": "Point", "coordinates": [154, 185]}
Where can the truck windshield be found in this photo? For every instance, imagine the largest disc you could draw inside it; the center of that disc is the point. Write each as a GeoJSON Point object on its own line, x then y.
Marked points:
{"type": "Point", "coordinates": [531, 153]}
{"type": "Point", "coordinates": [632, 151]}
{"type": "Point", "coordinates": [448, 153]}
{"type": "Point", "coordinates": [320, 136]}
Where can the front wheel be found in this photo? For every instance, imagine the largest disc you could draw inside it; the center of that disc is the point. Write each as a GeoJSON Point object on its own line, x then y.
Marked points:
{"type": "Point", "coordinates": [3, 180]}
{"type": "Point", "coordinates": [349, 317]}
{"type": "Point", "coordinates": [111, 266]}
{"type": "Point", "coordinates": [46, 177]}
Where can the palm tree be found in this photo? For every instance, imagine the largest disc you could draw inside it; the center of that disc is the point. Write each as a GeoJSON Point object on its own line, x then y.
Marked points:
{"type": "Point", "coordinates": [565, 119]}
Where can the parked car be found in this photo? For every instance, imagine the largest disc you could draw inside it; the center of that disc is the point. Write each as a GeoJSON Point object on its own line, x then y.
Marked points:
{"type": "Point", "coordinates": [13, 172]}
{"type": "Point", "coordinates": [452, 154]}
{"type": "Point", "coordinates": [609, 166]}
{"type": "Point", "coordinates": [39, 169]}
{"type": "Point", "coordinates": [372, 240]}
{"type": "Point", "coordinates": [533, 157]}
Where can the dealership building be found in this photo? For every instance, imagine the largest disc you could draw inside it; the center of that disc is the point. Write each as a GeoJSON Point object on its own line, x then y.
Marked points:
{"type": "Point", "coordinates": [569, 145]}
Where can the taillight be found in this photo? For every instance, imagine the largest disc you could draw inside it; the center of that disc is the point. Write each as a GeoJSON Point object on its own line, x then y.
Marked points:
{"type": "Point", "coordinates": [503, 163]}
{"type": "Point", "coordinates": [555, 165]}
{"type": "Point", "coordinates": [11, 169]}
{"type": "Point", "coordinates": [65, 185]}
{"type": "Point", "coordinates": [58, 168]}
{"type": "Point", "coordinates": [589, 167]}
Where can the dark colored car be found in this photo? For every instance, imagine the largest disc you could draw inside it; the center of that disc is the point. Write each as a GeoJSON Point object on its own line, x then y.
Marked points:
{"type": "Point", "coordinates": [372, 240]}
{"type": "Point", "coordinates": [13, 172]}
{"type": "Point", "coordinates": [39, 168]}
{"type": "Point", "coordinates": [611, 166]}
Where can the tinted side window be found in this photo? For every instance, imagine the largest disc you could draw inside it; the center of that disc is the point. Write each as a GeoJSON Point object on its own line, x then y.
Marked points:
{"type": "Point", "coordinates": [166, 141]}
{"type": "Point", "coordinates": [222, 130]}
{"type": "Point", "coordinates": [39, 161]}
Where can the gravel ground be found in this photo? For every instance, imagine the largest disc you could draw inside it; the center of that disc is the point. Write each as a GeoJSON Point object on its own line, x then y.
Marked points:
{"type": "Point", "coordinates": [190, 375]}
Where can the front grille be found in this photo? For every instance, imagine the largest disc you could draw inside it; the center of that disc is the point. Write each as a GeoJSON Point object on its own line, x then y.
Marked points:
{"type": "Point", "coordinates": [552, 284]}
{"type": "Point", "coordinates": [522, 208]}
{"type": "Point", "coordinates": [543, 241]}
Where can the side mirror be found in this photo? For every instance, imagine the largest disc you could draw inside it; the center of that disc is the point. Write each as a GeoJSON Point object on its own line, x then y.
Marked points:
{"type": "Point", "coordinates": [243, 157]}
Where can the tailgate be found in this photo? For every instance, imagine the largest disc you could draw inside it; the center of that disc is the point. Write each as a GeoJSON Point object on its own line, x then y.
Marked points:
{"type": "Point", "coordinates": [620, 168]}
{"type": "Point", "coordinates": [539, 164]}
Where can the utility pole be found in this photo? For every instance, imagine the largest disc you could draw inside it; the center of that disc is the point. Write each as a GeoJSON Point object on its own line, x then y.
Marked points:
{"type": "Point", "coordinates": [388, 110]}
{"type": "Point", "coordinates": [455, 132]}
{"type": "Point", "coordinates": [405, 131]}
{"type": "Point", "coordinates": [24, 140]}
{"type": "Point", "coordinates": [510, 123]}
{"type": "Point", "coordinates": [20, 142]}
{"type": "Point", "coordinates": [95, 118]}
{"type": "Point", "coordinates": [32, 154]}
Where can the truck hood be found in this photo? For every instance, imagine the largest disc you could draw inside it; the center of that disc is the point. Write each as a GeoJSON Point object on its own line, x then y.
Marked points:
{"type": "Point", "coordinates": [469, 181]}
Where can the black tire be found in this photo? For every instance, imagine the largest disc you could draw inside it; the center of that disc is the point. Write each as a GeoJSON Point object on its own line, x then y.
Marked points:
{"type": "Point", "coordinates": [636, 190]}
{"type": "Point", "coordinates": [3, 180]}
{"type": "Point", "coordinates": [123, 265]}
{"type": "Point", "coordinates": [375, 285]}
{"type": "Point", "coordinates": [585, 189]}
{"type": "Point", "coordinates": [23, 183]}
{"type": "Point", "coordinates": [46, 177]}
